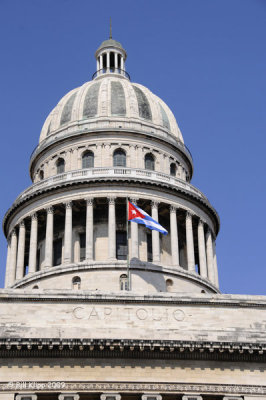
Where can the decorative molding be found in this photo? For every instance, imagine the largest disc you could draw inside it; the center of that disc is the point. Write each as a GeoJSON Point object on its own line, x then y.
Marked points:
{"type": "Point", "coordinates": [85, 386]}
{"type": "Point", "coordinates": [110, 396]}
{"type": "Point", "coordinates": [133, 348]}
{"type": "Point", "coordinates": [154, 204]}
{"type": "Point", "coordinates": [34, 216]}
{"type": "Point", "coordinates": [173, 209]}
{"type": "Point", "coordinates": [50, 210]}
{"type": "Point", "coordinates": [111, 200]}
{"type": "Point", "coordinates": [68, 396]}
{"type": "Point", "coordinates": [27, 396]}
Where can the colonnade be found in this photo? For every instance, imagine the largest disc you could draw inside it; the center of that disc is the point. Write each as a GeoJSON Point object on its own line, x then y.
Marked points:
{"type": "Point", "coordinates": [207, 262]}
{"type": "Point", "coordinates": [116, 62]}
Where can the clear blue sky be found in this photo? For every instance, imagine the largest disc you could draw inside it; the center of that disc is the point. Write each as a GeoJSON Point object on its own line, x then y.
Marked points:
{"type": "Point", "coordinates": [205, 58]}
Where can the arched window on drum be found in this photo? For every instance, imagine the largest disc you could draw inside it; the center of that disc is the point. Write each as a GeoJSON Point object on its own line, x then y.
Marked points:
{"type": "Point", "coordinates": [60, 166]}
{"type": "Point", "coordinates": [119, 158]}
{"type": "Point", "coordinates": [149, 162]}
{"type": "Point", "coordinates": [88, 159]}
{"type": "Point", "coordinates": [173, 169]}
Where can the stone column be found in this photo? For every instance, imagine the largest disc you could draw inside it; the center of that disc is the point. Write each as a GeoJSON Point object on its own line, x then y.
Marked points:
{"type": "Point", "coordinates": [7, 261]}
{"type": "Point", "coordinates": [49, 237]}
{"type": "Point", "coordinates": [209, 252]}
{"type": "Point", "coordinates": [111, 230]}
{"type": "Point", "coordinates": [108, 61]}
{"type": "Point", "coordinates": [202, 250]}
{"type": "Point", "coordinates": [89, 229]}
{"type": "Point", "coordinates": [134, 229]}
{"type": "Point", "coordinates": [21, 251]}
{"type": "Point", "coordinates": [68, 233]}
{"type": "Point", "coordinates": [174, 236]}
{"type": "Point", "coordinates": [33, 244]}
{"type": "Point", "coordinates": [101, 62]}
{"type": "Point", "coordinates": [116, 61]}
{"type": "Point", "coordinates": [122, 64]}
{"type": "Point", "coordinates": [190, 243]}
{"type": "Point", "coordinates": [155, 235]}
{"type": "Point", "coordinates": [13, 258]}
{"type": "Point", "coordinates": [215, 266]}
{"type": "Point", "coordinates": [98, 64]}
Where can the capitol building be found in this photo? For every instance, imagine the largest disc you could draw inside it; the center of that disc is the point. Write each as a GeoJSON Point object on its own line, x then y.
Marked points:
{"type": "Point", "coordinates": [99, 308]}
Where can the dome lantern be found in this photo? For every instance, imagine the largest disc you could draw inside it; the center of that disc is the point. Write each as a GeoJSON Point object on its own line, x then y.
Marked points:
{"type": "Point", "coordinates": [110, 57]}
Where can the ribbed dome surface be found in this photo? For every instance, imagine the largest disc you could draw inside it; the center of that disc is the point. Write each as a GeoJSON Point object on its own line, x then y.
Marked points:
{"type": "Point", "coordinates": [111, 102]}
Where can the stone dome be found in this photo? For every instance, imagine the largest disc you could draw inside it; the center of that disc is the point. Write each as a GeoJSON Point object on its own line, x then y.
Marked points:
{"type": "Point", "coordinates": [111, 101]}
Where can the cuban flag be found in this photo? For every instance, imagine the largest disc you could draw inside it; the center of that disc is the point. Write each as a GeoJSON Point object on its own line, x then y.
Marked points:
{"type": "Point", "coordinates": [136, 214]}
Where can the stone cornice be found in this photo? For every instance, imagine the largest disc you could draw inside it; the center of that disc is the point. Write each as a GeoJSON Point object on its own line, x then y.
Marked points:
{"type": "Point", "coordinates": [114, 180]}
{"type": "Point", "coordinates": [48, 295]}
{"type": "Point", "coordinates": [132, 348]}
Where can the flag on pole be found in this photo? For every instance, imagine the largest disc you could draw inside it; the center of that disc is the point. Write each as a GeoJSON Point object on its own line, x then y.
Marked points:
{"type": "Point", "coordinates": [136, 214]}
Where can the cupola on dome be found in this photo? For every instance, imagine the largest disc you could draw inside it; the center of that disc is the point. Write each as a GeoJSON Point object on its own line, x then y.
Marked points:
{"type": "Point", "coordinates": [111, 100]}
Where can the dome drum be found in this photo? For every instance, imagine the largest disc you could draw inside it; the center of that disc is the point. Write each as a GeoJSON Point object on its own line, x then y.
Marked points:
{"type": "Point", "coordinates": [89, 235]}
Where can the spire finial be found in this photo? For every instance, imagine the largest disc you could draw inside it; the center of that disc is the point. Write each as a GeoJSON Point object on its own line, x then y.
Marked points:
{"type": "Point", "coordinates": [110, 36]}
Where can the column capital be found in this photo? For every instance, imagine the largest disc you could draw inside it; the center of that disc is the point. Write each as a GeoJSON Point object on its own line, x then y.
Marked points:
{"type": "Point", "coordinates": [34, 216]}
{"type": "Point", "coordinates": [201, 222]}
{"type": "Point", "coordinates": [154, 204]}
{"type": "Point", "coordinates": [49, 210]}
{"type": "Point", "coordinates": [133, 200]}
{"type": "Point", "coordinates": [13, 232]}
{"type": "Point", "coordinates": [22, 224]}
{"type": "Point", "coordinates": [173, 209]}
{"type": "Point", "coordinates": [111, 200]}
{"type": "Point", "coordinates": [68, 204]}
{"type": "Point", "coordinates": [189, 214]}
{"type": "Point", "coordinates": [89, 201]}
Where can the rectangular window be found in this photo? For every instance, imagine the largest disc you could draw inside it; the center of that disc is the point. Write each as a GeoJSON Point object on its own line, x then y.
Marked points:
{"type": "Point", "coordinates": [121, 245]}
{"type": "Point", "coordinates": [57, 252]}
{"type": "Point", "coordinates": [82, 246]}
{"type": "Point", "coordinates": [149, 246]}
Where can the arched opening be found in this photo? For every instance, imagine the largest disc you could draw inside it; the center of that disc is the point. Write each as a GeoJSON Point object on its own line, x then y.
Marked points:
{"type": "Point", "coordinates": [60, 165]}
{"type": "Point", "coordinates": [123, 282]}
{"type": "Point", "coordinates": [57, 252]}
{"type": "Point", "coordinates": [88, 159]}
{"type": "Point", "coordinates": [149, 162]}
{"type": "Point", "coordinates": [76, 283]}
{"type": "Point", "coordinates": [41, 175]}
{"type": "Point", "coordinates": [35, 287]}
{"type": "Point", "coordinates": [173, 169]}
{"type": "Point", "coordinates": [169, 285]}
{"type": "Point", "coordinates": [119, 158]}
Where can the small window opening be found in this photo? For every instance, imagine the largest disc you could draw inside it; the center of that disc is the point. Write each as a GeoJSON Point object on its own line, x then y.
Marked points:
{"type": "Point", "coordinates": [173, 169]}
{"type": "Point", "coordinates": [76, 283]}
{"type": "Point", "coordinates": [123, 282]}
{"type": "Point", "coordinates": [41, 174]}
{"type": "Point", "coordinates": [119, 60]}
{"type": "Point", "coordinates": [169, 285]}
{"type": "Point", "coordinates": [149, 162]}
{"type": "Point", "coordinates": [60, 165]}
{"type": "Point", "coordinates": [35, 287]}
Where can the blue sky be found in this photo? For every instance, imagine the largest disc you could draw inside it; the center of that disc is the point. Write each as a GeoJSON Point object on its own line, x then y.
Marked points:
{"type": "Point", "coordinates": [205, 58]}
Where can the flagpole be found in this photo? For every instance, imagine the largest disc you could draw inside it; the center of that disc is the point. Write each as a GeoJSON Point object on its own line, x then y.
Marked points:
{"type": "Point", "coordinates": [128, 272]}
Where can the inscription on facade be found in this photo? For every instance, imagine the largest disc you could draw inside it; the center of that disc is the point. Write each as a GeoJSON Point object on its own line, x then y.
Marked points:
{"type": "Point", "coordinates": [128, 314]}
